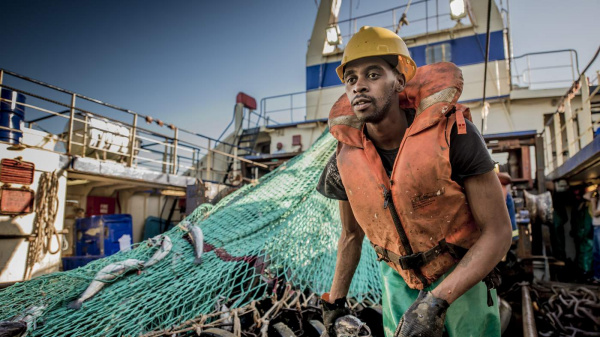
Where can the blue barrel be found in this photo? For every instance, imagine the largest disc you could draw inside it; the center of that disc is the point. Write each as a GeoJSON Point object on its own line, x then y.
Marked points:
{"type": "Point", "coordinates": [11, 118]}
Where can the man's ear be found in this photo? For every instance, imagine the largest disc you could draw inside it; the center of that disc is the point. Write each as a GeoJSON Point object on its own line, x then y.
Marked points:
{"type": "Point", "coordinates": [400, 82]}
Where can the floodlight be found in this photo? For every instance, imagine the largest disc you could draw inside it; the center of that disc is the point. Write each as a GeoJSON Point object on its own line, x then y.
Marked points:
{"type": "Point", "coordinates": [458, 10]}
{"type": "Point", "coordinates": [334, 37]}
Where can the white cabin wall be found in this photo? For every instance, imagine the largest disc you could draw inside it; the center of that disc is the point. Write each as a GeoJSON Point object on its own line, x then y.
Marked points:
{"type": "Point", "coordinates": [284, 136]}
{"type": "Point", "coordinates": [143, 205]}
{"type": "Point", "coordinates": [13, 252]}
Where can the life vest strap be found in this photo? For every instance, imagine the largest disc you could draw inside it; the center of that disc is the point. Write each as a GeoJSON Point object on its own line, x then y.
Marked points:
{"type": "Point", "coordinates": [417, 260]}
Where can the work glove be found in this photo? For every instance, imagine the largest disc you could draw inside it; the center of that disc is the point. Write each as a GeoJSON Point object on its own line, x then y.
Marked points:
{"type": "Point", "coordinates": [331, 312]}
{"type": "Point", "coordinates": [424, 318]}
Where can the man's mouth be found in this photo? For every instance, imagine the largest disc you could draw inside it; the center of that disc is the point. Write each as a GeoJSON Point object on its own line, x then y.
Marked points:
{"type": "Point", "coordinates": [361, 103]}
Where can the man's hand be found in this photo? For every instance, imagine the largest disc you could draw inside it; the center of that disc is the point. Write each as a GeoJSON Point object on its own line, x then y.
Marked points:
{"type": "Point", "coordinates": [424, 318]}
{"type": "Point", "coordinates": [331, 312]}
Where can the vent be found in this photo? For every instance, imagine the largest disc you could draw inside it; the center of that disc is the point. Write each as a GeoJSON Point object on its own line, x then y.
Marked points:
{"type": "Point", "coordinates": [15, 201]}
{"type": "Point", "coordinates": [16, 171]}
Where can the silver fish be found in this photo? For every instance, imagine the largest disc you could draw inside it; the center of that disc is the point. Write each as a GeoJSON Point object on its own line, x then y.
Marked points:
{"type": "Point", "coordinates": [29, 316]}
{"type": "Point", "coordinates": [110, 272]}
{"type": "Point", "coordinates": [160, 254]}
{"type": "Point", "coordinates": [13, 329]}
{"type": "Point", "coordinates": [198, 238]}
{"type": "Point", "coordinates": [227, 324]}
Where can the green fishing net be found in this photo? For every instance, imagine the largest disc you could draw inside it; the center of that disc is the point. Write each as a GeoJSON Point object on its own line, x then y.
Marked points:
{"type": "Point", "coordinates": [280, 230]}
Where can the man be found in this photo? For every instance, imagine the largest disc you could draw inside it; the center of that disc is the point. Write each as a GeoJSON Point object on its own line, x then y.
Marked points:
{"type": "Point", "coordinates": [416, 178]}
{"type": "Point", "coordinates": [505, 181]}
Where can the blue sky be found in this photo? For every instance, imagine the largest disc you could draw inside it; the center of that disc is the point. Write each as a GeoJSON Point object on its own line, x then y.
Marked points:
{"type": "Point", "coordinates": [185, 61]}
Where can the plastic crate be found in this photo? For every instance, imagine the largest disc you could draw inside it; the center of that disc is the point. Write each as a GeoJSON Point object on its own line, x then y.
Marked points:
{"type": "Point", "coordinates": [72, 262]}
{"type": "Point", "coordinates": [99, 235]}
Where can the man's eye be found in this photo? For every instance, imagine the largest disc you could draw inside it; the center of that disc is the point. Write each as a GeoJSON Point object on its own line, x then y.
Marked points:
{"type": "Point", "coordinates": [350, 80]}
{"type": "Point", "coordinates": [373, 75]}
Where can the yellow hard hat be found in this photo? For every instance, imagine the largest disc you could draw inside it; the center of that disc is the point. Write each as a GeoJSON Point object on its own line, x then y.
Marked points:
{"type": "Point", "coordinates": [377, 41]}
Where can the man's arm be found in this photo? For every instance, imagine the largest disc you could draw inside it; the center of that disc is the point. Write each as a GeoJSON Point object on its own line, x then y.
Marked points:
{"type": "Point", "coordinates": [595, 210]}
{"type": "Point", "coordinates": [348, 255]}
{"type": "Point", "coordinates": [488, 207]}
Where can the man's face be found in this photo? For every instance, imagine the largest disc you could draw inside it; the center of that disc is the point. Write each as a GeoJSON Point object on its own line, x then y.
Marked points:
{"type": "Point", "coordinates": [371, 86]}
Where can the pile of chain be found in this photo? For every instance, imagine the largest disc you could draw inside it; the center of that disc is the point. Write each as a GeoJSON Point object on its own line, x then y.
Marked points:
{"type": "Point", "coordinates": [288, 312]}
{"type": "Point", "coordinates": [569, 310]}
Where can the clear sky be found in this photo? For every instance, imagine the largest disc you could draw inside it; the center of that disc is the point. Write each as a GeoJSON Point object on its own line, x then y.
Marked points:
{"type": "Point", "coordinates": [185, 61]}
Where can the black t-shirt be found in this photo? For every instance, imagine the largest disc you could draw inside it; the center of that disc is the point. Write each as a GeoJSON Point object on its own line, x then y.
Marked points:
{"type": "Point", "coordinates": [468, 157]}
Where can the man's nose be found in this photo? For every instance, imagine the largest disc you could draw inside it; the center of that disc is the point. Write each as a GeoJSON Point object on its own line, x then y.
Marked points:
{"type": "Point", "coordinates": [360, 86]}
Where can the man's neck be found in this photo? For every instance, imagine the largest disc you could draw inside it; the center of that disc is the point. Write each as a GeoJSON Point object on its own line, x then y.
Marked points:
{"type": "Point", "coordinates": [388, 133]}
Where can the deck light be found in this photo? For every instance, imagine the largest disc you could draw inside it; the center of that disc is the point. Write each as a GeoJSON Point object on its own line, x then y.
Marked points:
{"type": "Point", "coordinates": [458, 9]}
{"type": "Point", "coordinates": [334, 36]}
{"type": "Point", "coordinates": [173, 193]}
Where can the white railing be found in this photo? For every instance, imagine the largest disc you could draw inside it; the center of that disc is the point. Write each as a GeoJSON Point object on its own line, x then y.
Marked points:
{"type": "Point", "coordinates": [77, 125]}
{"type": "Point", "coordinates": [571, 127]}
{"type": "Point", "coordinates": [546, 69]}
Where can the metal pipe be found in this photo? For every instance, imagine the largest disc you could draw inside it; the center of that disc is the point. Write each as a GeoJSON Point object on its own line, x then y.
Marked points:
{"type": "Point", "coordinates": [175, 140]}
{"type": "Point", "coordinates": [380, 12]}
{"type": "Point", "coordinates": [71, 118]}
{"type": "Point", "coordinates": [487, 55]}
{"type": "Point", "coordinates": [551, 52]}
{"type": "Point", "coordinates": [239, 158]}
{"type": "Point", "coordinates": [209, 162]}
{"type": "Point", "coordinates": [529, 329]}
{"type": "Point", "coordinates": [46, 117]}
{"type": "Point", "coordinates": [132, 141]}
{"type": "Point", "coordinates": [85, 140]}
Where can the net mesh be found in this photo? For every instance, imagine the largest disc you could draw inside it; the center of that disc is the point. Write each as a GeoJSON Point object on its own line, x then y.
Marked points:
{"type": "Point", "coordinates": [277, 230]}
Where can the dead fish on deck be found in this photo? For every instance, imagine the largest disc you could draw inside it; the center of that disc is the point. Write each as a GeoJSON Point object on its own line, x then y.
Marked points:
{"type": "Point", "coordinates": [12, 329]}
{"type": "Point", "coordinates": [110, 272]}
{"type": "Point", "coordinates": [227, 323]}
{"type": "Point", "coordinates": [165, 248]}
{"type": "Point", "coordinates": [198, 238]}
{"type": "Point", "coordinates": [29, 317]}
{"type": "Point", "coordinates": [350, 326]}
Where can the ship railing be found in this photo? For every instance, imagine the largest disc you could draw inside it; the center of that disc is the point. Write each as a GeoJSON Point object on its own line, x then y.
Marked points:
{"type": "Point", "coordinates": [545, 69]}
{"type": "Point", "coordinates": [424, 17]}
{"type": "Point", "coordinates": [69, 123]}
{"type": "Point", "coordinates": [571, 127]}
{"type": "Point", "coordinates": [283, 109]}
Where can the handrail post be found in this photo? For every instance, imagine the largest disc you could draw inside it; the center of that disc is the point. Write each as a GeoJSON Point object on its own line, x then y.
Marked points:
{"type": "Point", "coordinates": [528, 71]}
{"type": "Point", "coordinates": [235, 160]}
{"type": "Point", "coordinates": [132, 141]}
{"type": "Point", "coordinates": [584, 116]}
{"type": "Point", "coordinates": [549, 157]}
{"type": "Point", "coordinates": [85, 136]}
{"type": "Point", "coordinates": [209, 162]}
{"type": "Point", "coordinates": [571, 141]}
{"type": "Point", "coordinates": [71, 120]}
{"type": "Point", "coordinates": [558, 139]}
{"type": "Point", "coordinates": [572, 67]}
{"type": "Point", "coordinates": [174, 158]}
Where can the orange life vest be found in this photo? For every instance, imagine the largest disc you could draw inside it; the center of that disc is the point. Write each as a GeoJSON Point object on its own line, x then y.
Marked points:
{"type": "Point", "coordinates": [433, 218]}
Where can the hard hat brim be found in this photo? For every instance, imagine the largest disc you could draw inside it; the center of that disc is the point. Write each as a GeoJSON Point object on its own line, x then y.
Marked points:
{"type": "Point", "coordinates": [405, 66]}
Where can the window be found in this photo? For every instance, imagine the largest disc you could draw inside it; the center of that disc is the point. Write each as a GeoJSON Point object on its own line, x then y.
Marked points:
{"type": "Point", "coordinates": [438, 53]}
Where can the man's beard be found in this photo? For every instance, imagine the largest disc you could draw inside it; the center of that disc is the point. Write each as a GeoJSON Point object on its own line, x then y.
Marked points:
{"type": "Point", "coordinates": [380, 112]}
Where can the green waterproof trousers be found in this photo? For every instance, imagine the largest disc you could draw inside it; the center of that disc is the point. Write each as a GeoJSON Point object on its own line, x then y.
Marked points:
{"type": "Point", "coordinates": [468, 316]}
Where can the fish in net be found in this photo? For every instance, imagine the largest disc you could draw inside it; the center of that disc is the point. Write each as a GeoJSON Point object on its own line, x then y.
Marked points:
{"type": "Point", "coordinates": [275, 236]}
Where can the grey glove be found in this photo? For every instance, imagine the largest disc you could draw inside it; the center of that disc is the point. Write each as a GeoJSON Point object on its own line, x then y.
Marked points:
{"type": "Point", "coordinates": [331, 312]}
{"type": "Point", "coordinates": [424, 318]}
